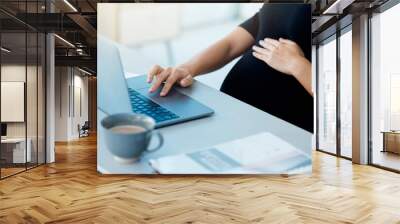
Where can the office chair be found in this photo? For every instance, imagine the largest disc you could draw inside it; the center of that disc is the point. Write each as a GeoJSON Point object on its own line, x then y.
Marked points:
{"type": "Point", "coordinates": [84, 130]}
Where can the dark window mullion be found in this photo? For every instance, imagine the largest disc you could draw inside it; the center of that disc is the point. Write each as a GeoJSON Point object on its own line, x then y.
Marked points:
{"type": "Point", "coordinates": [26, 87]}
{"type": "Point", "coordinates": [369, 91]}
{"type": "Point", "coordinates": [37, 90]}
{"type": "Point", "coordinates": [317, 97]}
{"type": "Point", "coordinates": [338, 97]}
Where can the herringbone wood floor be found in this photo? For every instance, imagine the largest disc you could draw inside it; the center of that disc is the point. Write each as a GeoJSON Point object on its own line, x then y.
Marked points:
{"type": "Point", "coordinates": [71, 191]}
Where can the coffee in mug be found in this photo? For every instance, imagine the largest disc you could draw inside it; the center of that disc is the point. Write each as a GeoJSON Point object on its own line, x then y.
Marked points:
{"type": "Point", "coordinates": [127, 129]}
{"type": "Point", "coordinates": [127, 136]}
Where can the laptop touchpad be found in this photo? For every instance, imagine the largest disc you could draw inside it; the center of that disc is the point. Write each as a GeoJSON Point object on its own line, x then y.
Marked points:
{"type": "Point", "coordinates": [173, 96]}
{"type": "Point", "coordinates": [138, 82]}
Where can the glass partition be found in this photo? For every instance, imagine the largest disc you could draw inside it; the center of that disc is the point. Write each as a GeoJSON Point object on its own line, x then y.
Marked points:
{"type": "Point", "coordinates": [14, 152]}
{"type": "Point", "coordinates": [22, 67]}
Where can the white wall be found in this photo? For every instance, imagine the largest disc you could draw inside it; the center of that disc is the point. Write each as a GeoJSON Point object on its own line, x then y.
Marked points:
{"type": "Point", "coordinates": [71, 93]}
{"type": "Point", "coordinates": [12, 73]}
{"type": "Point", "coordinates": [17, 73]}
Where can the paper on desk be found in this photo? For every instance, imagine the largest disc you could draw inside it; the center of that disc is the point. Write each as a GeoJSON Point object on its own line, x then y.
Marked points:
{"type": "Point", "coordinates": [263, 153]}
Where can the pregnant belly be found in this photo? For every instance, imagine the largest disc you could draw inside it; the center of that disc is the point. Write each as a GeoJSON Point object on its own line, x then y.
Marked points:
{"type": "Point", "coordinates": [254, 82]}
{"type": "Point", "coordinates": [250, 80]}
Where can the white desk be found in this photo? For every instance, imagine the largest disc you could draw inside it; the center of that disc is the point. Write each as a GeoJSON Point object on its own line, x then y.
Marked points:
{"type": "Point", "coordinates": [19, 149]}
{"type": "Point", "coordinates": [233, 119]}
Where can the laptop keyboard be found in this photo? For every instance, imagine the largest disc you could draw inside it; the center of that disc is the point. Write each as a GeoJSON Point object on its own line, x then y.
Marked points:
{"type": "Point", "coordinates": [143, 105]}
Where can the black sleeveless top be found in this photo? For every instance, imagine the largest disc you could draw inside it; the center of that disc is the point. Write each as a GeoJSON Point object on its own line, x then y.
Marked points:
{"type": "Point", "coordinates": [256, 83]}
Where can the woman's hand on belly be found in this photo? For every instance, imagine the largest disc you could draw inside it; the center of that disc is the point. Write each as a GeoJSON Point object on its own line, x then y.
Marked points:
{"type": "Point", "coordinates": [170, 76]}
{"type": "Point", "coordinates": [282, 55]}
{"type": "Point", "coordinates": [287, 57]}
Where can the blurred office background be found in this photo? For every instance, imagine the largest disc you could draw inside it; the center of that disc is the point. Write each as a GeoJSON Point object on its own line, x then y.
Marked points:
{"type": "Point", "coordinates": [170, 34]}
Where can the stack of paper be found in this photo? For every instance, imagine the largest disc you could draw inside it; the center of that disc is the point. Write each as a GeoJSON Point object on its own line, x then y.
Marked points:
{"type": "Point", "coordinates": [262, 153]}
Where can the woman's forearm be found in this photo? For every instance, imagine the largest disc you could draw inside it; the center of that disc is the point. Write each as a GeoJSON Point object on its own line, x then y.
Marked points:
{"type": "Point", "coordinates": [220, 53]}
{"type": "Point", "coordinates": [302, 73]}
{"type": "Point", "coordinates": [211, 59]}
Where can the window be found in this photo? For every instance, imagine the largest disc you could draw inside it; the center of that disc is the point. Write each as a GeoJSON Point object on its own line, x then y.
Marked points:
{"type": "Point", "coordinates": [385, 89]}
{"type": "Point", "coordinates": [327, 96]}
{"type": "Point", "coordinates": [346, 93]}
{"type": "Point", "coordinates": [330, 134]}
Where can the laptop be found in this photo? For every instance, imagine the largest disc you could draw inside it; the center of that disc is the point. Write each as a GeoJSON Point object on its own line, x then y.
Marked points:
{"type": "Point", "coordinates": [116, 94]}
